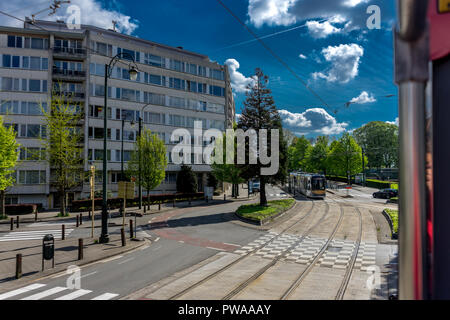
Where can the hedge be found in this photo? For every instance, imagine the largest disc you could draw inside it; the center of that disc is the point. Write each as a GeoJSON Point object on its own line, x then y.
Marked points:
{"type": "Point", "coordinates": [115, 203]}
{"type": "Point", "coordinates": [19, 209]}
{"type": "Point", "coordinates": [371, 183]}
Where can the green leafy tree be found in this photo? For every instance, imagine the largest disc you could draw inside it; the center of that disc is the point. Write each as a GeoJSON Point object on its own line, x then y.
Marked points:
{"type": "Point", "coordinates": [316, 157]}
{"type": "Point", "coordinates": [9, 152]}
{"type": "Point", "coordinates": [260, 113]}
{"type": "Point", "coordinates": [345, 157]}
{"type": "Point", "coordinates": [186, 180]}
{"type": "Point", "coordinates": [380, 143]}
{"type": "Point", "coordinates": [152, 151]}
{"type": "Point", "coordinates": [229, 173]}
{"type": "Point", "coordinates": [297, 153]}
{"type": "Point", "coordinates": [63, 145]}
{"type": "Point", "coordinates": [212, 181]}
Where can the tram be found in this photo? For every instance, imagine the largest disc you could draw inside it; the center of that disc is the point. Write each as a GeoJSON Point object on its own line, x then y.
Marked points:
{"type": "Point", "coordinates": [310, 185]}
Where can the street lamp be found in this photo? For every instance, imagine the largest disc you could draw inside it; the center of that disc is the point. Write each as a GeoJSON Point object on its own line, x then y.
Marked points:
{"type": "Point", "coordinates": [140, 157]}
{"type": "Point", "coordinates": [133, 71]}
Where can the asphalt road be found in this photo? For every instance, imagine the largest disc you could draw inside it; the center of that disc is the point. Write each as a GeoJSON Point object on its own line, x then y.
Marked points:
{"type": "Point", "coordinates": [122, 275]}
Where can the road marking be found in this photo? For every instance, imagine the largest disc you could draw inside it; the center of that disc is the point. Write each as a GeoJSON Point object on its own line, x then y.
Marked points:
{"type": "Point", "coordinates": [45, 293]}
{"type": "Point", "coordinates": [156, 249]}
{"type": "Point", "coordinates": [214, 248]}
{"type": "Point", "coordinates": [157, 239]}
{"type": "Point", "coordinates": [144, 247]}
{"type": "Point", "coordinates": [74, 295]}
{"type": "Point", "coordinates": [106, 296]}
{"type": "Point", "coordinates": [89, 274]}
{"type": "Point", "coordinates": [232, 244]}
{"type": "Point", "coordinates": [21, 290]}
{"type": "Point", "coordinates": [125, 261]}
{"type": "Point", "coordinates": [33, 235]}
{"type": "Point", "coordinates": [111, 259]}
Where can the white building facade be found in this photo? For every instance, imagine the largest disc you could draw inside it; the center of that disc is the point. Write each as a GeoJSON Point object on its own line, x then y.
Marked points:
{"type": "Point", "coordinates": [174, 89]}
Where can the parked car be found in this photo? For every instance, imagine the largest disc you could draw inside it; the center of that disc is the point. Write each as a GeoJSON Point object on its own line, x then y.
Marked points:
{"type": "Point", "coordinates": [256, 186]}
{"type": "Point", "coordinates": [386, 194]}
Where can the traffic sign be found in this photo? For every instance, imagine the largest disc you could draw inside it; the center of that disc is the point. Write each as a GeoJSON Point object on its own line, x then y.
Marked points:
{"type": "Point", "coordinates": [126, 190]}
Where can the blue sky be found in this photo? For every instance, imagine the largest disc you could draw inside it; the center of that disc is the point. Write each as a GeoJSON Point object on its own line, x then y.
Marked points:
{"type": "Point", "coordinates": [329, 47]}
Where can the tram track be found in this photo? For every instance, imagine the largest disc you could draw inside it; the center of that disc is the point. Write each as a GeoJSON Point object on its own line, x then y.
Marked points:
{"type": "Point", "coordinates": [235, 262]}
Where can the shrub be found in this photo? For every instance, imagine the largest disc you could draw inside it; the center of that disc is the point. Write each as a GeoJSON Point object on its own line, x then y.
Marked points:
{"type": "Point", "coordinates": [20, 209]}
{"type": "Point", "coordinates": [186, 180]}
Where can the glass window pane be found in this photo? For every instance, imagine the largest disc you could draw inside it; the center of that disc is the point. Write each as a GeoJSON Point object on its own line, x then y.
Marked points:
{"type": "Point", "coordinates": [6, 61]}
{"type": "Point", "coordinates": [35, 85]}
{"type": "Point", "coordinates": [33, 130]}
{"type": "Point", "coordinates": [35, 63]}
{"type": "Point", "coordinates": [7, 84]}
{"type": "Point", "coordinates": [37, 43]}
{"type": "Point", "coordinates": [11, 41]}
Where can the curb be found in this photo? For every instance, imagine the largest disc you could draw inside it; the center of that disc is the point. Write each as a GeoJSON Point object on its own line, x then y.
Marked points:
{"type": "Point", "coordinates": [53, 272]}
{"type": "Point", "coordinates": [266, 220]}
{"type": "Point", "coordinates": [394, 235]}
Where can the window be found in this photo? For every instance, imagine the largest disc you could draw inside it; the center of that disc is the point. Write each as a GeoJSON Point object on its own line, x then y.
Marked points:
{"type": "Point", "coordinates": [201, 87]}
{"type": "Point", "coordinates": [33, 130]}
{"type": "Point", "coordinates": [191, 68]}
{"type": "Point", "coordinates": [176, 65]}
{"type": "Point", "coordinates": [177, 102]}
{"type": "Point", "coordinates": [153, 60]}
{"type": "Point", "coordinates": [25, 62]}
{"type": "Point", "coordinates": [202, 71]}
{"type": "Point", "coordinates": [16, 62]}
{"type": "Point", "coordinates": [127, 115]}
{"type": "Point", "coordinates": [6, 61]}
{"type": "Point", "coordinates": [129, 135]}
{"type": "Point", "coordinates": [154, 79]}
{"type": "Point", "coordinates": [192, 86]}
{"type": "Point", "coordinates": [214, 107]}
{"type": "Point", "coordinates": [7, 84]}
{"type": "Point", "coordinates": [33, 109]}
{"type": "Point", "coordinates": [217, 91]}
{"type": "Point", "coordinates": [216, 74]}
{"type": "Point", "coordinates": [176, 120]}
{"type": "Point", "coordinates": [37, 43]}
{"type": "Point", "coordinates": [176, 83]}
{"type": "Point", "coordinates": [11, 41]}
{"type": "Point", "coordinates": [128, 94]}
{"type": "Point", "coordinates": [154, 98]}
{"type": "Point", "coordinates": [34, 85]}
{"type": "Point", "coordinates": [35, 63]}
{"type": "Point", "coordinates": [102, 48]}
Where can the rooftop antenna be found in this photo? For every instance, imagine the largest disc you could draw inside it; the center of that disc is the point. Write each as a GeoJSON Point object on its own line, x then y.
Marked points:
{"type": "Point", "coordinates": [114, 22]}
{"type": "Point", "coordinates": [53, 7]}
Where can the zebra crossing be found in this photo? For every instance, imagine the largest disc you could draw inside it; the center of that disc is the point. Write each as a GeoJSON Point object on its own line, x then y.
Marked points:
{"type": "Point", "coordinates": [50, 224]}
{"type": "Point", "coordinates": [33, 235]}
{"type": "Point", "coordinates": [38, 291]}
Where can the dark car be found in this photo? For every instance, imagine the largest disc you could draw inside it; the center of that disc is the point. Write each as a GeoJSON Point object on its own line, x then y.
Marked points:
{"type": "Point", "coordinates": [386, 194]}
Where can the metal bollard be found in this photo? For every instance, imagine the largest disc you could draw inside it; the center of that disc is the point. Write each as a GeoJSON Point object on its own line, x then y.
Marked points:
{"type": "Point", "coordinates": [174, 202]}
{"type": "Point", "coordinates": [12, 224]}
{"type": "Point", "coordinates": [35, 215]}
{"type": "Point", "coordinates": [159, 206]}
{"type": "Point", "coordinates": [63, 232]}
{"type": "Point", "coordinates": [78, 221]}
{"type": "Point", "coordinates": [81, 219]}
{"type": "Point", "coordinates": [224, 197]}
{"type": "Point", "coordinates": [80, 249]}
{"type": "Point", "coordinates": [131, 229]}
{"type": "Point", "coordinates": [145, 209]}
{"type": "Point", "coordinates": [122, 235]}
{"type": "Point", "coordinates": [17, 222]}
{"type": "Point", "coordinates": [19, 266]}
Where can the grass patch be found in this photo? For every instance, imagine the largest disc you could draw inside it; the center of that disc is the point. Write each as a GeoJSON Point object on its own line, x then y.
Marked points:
{"type": "Point", "coordinates": [394, 217]}
{"type": "Point", "coordinates": [258, 213]}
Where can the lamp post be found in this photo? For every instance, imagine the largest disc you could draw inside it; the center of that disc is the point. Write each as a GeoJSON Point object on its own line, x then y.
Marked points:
{"type": "Point", "coordinates": [104, 237]}
{"type": "Point", "coordinates": [140, 157]}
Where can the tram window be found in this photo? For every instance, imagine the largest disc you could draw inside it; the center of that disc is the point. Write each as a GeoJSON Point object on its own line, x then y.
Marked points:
{"type": "Point", "coordinates": [318, 184]}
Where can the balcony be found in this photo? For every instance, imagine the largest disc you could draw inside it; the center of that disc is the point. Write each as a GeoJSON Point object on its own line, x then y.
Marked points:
{"type": "Point", "coordinates": [70, 95]}
{"type": "Point", "coordinates": [69, 53]}
{"type": "Point", "coordinates": [71, 75]}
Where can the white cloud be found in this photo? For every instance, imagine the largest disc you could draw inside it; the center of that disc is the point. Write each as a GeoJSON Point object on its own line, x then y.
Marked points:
{"type": "Point", "coordinates": [92, 13]}
{"type": "Point", "coordinates": [271, 12]}
{"type": "Point", "coordinates": [363, 98]}
{"type": "Point", "coordinates": [344, 60]}
{"type": "Point", "coordinates": [316, 120]}
{"type": "Point", "coordinates": [352, 13]}
{"type": "Point", "coordinates": [320, 30]}
{"type": "Point", "coordinates": [396, 122]}
{"type": "Point", "coordinates": [302, 56]}
{"type": "Point", "coordinates": [239, 82]}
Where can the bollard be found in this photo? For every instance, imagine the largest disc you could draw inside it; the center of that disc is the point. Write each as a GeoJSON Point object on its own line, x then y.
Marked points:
{"type": "Point", "coordinates": [35, 216]}
{"type": "Point", "coordinates": [63, 232]}
{"type": "Point", "coordinates": [190, 201]}
{"type": "Point", "coordinates": [19, 266]}
{"type": "Point", "coordinates": [17, 222]}
{"type": "Point", "coordinates": [81, 219]}
{"type": "Point", "coordinates": [174, 202]}
{"type": "Point", "coordinates": [122, 235]}
{"type": "Point", "coordinates": [159, 206]}
{"type": "Point", "coordinates": [80, 249]}
{"type": "Point", "coordinates": [207, 200]}
{"type": "Point", "coordinates": [131, 229]}
{"type": "Point", "coordinates": [12, 224]}
{"type": "Point", "coordinates": [224, 197]}
{"type": "Point", "coordinates": [78, 221]}
{"type": "Point", "coordinates": [145, 209]}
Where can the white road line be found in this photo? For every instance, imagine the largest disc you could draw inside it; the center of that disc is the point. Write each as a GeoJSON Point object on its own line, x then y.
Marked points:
{"type": "Point", "coordinates": [32, 235]}
{"type": "Point", "coordinates": [111, 259]}
{"type": "Point", "coordinates": [74, 295]}
{"type": "Point", "coordinates": [214, 248]}
{"type": "Point", "coordinates": [106, 296]}
{"type": "Point", "coordinates": [45, 293]}
{"type": "Point", "coordinates": [157, 239]}
{"type": "Point", "coordinates": [125, 261]}
{"type": "Point", "coordinates": [89, 274]}
{"type": "Point", "coordinates": [14, 293]}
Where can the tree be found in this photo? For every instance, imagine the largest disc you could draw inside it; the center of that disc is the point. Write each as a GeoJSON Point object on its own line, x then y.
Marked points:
{"type": "Point", "coordinates": [229, 173]}
{"type": "Point", "coordinates": [63, 145]}
{"type": "Point", "coordinates": [380, 143]}
{"type": "Point", "coordinates": [9, 152]}
{"type": "Point", "coordinates": [297, 153]}
{"type": "Point", "coordinates": [152, 151]}
{"type": "Point", "coordinates": [212, 182]}
{"type": "Point", "coordinates": [186, 180]}
{"type": "Point", "coordinates": [261, 113]}
{"type": "Point", "coordinates": [345, 156]}
{"type": "Point", "coordinates": [317, 155]}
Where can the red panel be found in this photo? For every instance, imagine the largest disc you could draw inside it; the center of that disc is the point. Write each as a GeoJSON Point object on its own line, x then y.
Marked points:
{"type": "Point", "coordinates": [439, 31]}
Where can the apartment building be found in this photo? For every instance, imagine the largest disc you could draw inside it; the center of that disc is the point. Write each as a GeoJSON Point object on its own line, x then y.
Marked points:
{"type": "Point", "coordinates": [174, 88]}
